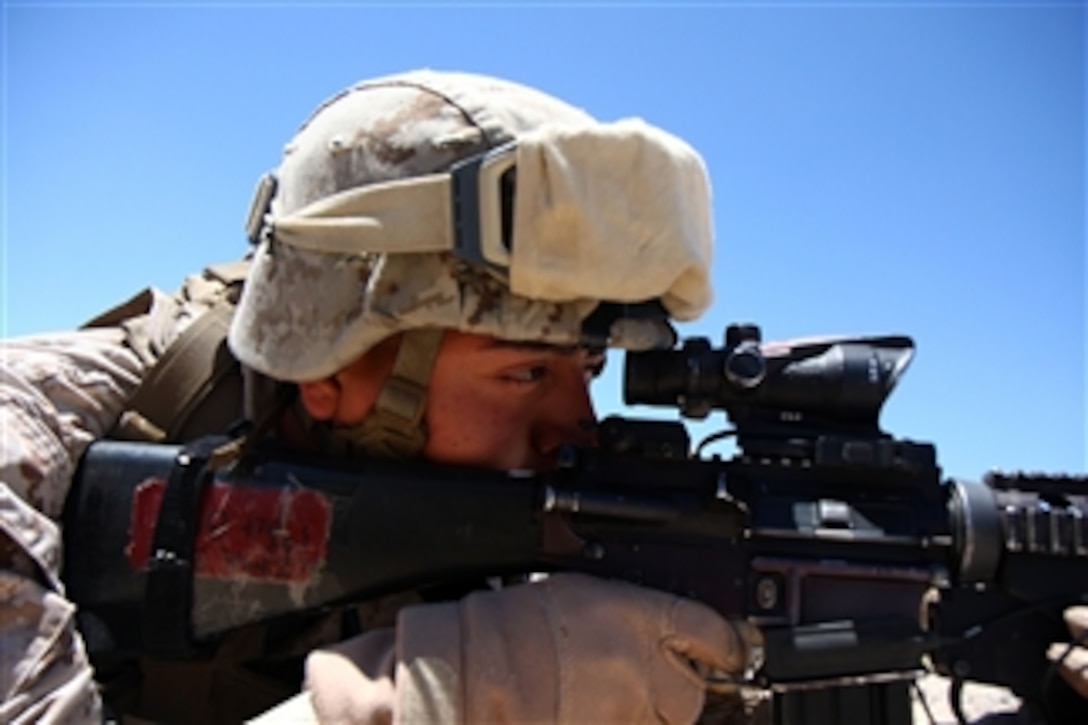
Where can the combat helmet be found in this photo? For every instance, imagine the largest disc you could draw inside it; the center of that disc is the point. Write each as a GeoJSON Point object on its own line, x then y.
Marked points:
{"type": "Point", "coordinates": [426, 201]}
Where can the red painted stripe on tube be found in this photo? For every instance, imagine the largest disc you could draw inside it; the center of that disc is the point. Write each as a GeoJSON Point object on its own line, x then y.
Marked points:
{"type": "Point", "coordinates": [260, 534]}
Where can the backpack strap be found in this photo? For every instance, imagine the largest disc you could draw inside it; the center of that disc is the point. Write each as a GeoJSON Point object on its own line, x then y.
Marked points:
{"type": "Point", "coordinates": [139, 304]}
{"type": "Point", "coordinates": [186, 374]}
{"type": "Point", "coordinates": [195, 386]}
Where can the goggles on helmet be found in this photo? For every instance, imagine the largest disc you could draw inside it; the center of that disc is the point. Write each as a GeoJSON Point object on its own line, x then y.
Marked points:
{"type": "Point", "coordinates": [616, 212]}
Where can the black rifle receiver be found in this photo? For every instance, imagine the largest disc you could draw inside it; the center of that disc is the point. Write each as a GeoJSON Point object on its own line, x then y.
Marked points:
{"type": "Point", "coordinates": [843, 543]}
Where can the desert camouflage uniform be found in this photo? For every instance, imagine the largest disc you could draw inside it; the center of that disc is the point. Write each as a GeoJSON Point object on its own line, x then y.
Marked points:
{"type": "Point", "coordinates": [56, 397]}
{"type": "Point", "coordinates": [58, 394]}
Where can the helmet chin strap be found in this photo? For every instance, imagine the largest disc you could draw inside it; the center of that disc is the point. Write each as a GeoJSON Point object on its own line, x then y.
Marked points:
{"type": "Point", "coordinates": [394, 427]}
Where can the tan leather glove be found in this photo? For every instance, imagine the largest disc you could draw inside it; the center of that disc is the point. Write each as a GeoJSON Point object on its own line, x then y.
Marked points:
{"type": "Point", "coordinates": [571, 648]}
{"type": "Point", "coordinates": [1074, 662]}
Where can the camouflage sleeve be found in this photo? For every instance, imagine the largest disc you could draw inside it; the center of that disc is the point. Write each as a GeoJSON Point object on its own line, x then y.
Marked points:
{"type": "Point", "coordinates": [58, 393]}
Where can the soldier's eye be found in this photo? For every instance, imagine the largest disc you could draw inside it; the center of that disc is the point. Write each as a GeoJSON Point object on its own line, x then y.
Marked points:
{"type": "Point", "coordinates": [526, 374]}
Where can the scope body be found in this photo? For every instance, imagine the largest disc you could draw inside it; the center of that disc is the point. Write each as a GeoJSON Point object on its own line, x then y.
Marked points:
{"type": "Point", "coordinates": [832, 382]}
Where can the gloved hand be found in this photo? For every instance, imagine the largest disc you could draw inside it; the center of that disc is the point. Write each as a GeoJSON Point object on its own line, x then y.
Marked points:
{"type": "Point", "coordinates": [1073, 662]}
{"type": "Point", "coordinates": [571, 648]}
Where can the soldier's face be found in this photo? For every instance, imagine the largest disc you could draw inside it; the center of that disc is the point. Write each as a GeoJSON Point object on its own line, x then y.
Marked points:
{"type": "Point", "coordinates": [490, 403]}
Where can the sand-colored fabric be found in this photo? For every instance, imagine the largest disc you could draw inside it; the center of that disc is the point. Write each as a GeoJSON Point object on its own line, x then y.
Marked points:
{"type": "Point", "coordinates": [356, 245]}
{"type": "Point", "coordinates": [58, 393]}
{"type": "Point", "coordinates": [616, 212]}
{"type": "Point", "coordinates": [569, 649]}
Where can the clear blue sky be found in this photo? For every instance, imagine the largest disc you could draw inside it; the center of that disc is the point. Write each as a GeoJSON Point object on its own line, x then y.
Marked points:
{"type": "Point", "coordinates": [913, 168]}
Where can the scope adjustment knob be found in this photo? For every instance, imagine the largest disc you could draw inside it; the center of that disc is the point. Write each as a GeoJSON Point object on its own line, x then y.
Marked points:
{"type": "Point", "coordinates": [745, 366]}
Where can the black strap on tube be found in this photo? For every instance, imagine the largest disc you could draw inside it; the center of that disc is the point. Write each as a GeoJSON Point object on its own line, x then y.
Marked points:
{"type": "Point", "coordinates": [168, 598]}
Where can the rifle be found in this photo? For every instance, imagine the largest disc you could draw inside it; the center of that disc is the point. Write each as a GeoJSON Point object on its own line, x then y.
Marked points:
{"type": "Point", "coordinates": [843, 543]}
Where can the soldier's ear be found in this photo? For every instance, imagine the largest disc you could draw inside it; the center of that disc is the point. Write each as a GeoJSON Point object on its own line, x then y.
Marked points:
{"type": "Point", "coordinates": [320, 398]}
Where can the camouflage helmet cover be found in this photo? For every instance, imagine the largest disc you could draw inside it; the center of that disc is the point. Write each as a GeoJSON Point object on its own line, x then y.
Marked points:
{"type": "Point", "coordinates": [306, 312]}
